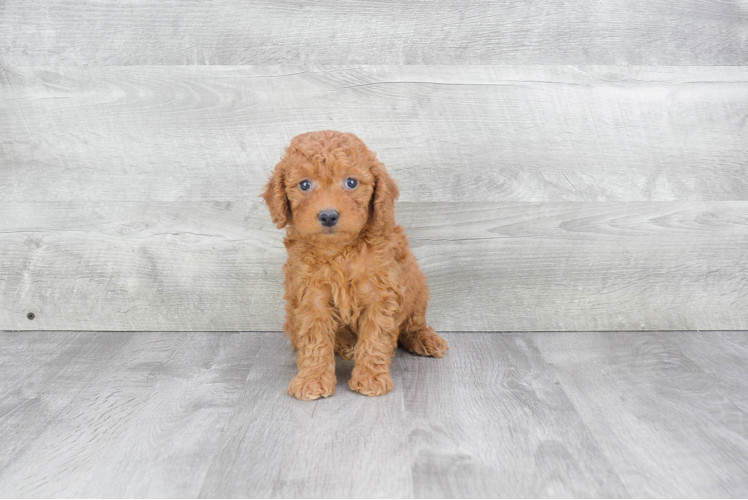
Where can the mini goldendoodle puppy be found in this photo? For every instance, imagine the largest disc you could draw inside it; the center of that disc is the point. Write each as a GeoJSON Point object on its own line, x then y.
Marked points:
{"type": "Point", "coordinates": [352, 285]}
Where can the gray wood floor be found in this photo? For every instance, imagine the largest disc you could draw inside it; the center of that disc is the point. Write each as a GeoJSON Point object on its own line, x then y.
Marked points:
{"type": "Point", "coordinates": [91, 414]}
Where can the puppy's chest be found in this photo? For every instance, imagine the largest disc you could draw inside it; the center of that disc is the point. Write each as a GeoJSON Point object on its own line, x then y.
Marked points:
{"type": "Point", "coordinates": [356, 274]}
{"type": "Point", "coordinates": [353, 284]}
{"type": "Point", "coordinates": [350, 284]}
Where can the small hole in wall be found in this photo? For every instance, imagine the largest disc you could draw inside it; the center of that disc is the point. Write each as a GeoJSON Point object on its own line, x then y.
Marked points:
{"type": "Point", "coordinates": [31, 316]}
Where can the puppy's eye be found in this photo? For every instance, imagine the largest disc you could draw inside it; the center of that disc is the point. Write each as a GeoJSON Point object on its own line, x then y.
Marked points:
{"type": "Point", "coordinates": [351, 183]}
{"type": "Point", "coordinates": [305, 185]}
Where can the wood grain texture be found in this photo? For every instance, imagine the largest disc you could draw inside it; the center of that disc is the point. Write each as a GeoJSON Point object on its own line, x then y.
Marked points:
{"type": "Point", "coordinates": [648, 404]}
{"type": "Point", "coordinates": [373, 32]}
{"type": "Point", "coordinates": [518, 414]}
{"type": "Point", "coordinates": [491, 421]}
{"type": "Point", "coordinates": [447, 133]}
{"type": "Point", "coordinates": [721, 355]}
{"type": "Point", "coordinates": [144, 424]}
{"type": "Point", "coordinates": [41, 376]}
{"type": "Point", "coordinates": [276, 446]}
{"type": "Point", "coordinates": [491, 266]}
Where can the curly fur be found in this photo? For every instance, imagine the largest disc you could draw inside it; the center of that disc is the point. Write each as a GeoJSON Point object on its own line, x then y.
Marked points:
{"type": "Point", "coordinates": [354, 289]}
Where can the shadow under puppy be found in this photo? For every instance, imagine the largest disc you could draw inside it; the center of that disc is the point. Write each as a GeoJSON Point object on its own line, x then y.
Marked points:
{"type": "Point", "coordinates": [352, 285]}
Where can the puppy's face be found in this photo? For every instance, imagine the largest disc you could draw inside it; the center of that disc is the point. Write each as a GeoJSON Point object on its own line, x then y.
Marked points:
{"type": "Point", "coordinates": [328, 196]}
{"type": "Point", "coordinates": [328, 187]}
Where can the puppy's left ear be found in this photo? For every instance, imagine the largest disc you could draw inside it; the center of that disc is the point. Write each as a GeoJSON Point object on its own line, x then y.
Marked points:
{"type": "Point", "coordinates": [275, 196]}
{"type": "Point", "coordinates": [382, 211]}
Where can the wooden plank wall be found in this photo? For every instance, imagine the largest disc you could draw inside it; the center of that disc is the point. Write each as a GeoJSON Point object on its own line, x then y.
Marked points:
{"type": "Point", "coordinates": [560, 168]}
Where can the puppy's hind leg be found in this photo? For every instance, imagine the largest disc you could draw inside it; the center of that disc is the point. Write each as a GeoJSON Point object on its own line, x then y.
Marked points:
{"type": "Point", "coordinates": [345, 341]}
{"type": "Point", "coordinates": [419, 338]}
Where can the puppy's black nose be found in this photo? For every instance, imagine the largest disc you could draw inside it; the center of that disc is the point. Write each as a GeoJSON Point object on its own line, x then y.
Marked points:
{"type": "Point", "coordinates": [328, 218]}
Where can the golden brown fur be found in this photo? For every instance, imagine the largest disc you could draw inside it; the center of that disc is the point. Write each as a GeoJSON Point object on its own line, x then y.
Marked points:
{"type": "Point", "coordinates": [353, 288]}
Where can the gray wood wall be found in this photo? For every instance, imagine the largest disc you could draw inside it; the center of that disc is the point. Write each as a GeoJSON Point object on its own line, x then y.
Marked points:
{"type": "Point", "coordinates": [562, 167]}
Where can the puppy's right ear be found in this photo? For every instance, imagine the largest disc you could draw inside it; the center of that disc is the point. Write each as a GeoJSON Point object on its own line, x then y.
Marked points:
{"type": "Point", "coordinates": [275, 196]}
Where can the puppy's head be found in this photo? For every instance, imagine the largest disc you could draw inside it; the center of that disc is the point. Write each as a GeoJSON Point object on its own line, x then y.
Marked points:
{"type": "Point", "coordinates": [329, 187]}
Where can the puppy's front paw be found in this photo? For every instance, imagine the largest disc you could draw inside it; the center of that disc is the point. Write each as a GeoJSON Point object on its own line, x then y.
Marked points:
{"type": "Point", "coordinates": [309, 388]}
{"type": "Point", "coordinates": [369, 383]}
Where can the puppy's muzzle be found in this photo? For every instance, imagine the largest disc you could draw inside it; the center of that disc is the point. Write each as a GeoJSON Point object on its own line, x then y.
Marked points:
{"type": "Point", "coordinates": [328, 218]}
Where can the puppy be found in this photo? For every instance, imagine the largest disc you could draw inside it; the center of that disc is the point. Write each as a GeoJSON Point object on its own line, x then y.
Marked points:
{"type": "Point", "coordinates": [352, 285]}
